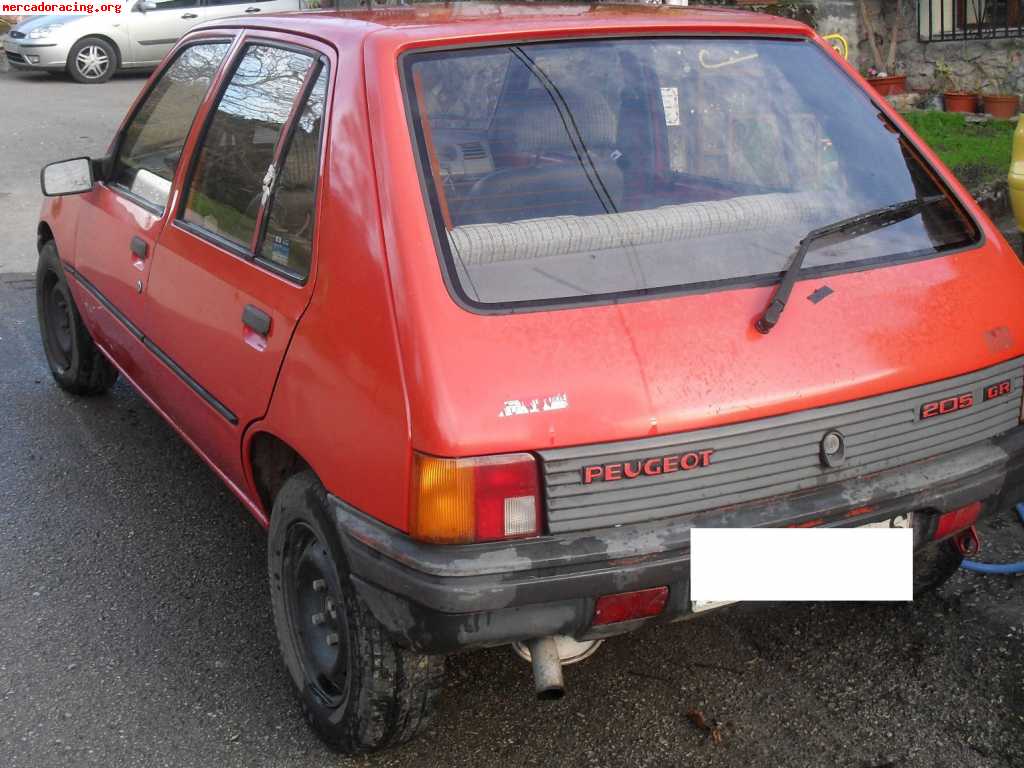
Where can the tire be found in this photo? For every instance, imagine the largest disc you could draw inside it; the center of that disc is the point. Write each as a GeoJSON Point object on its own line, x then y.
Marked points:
{"type": "Point", "coordinates": [92, 60]}
{"type": "Point", "coordinates": [358, 690]}
{"type": "Point", "coordinates": [933, 566]}
{"type": "Point", "coordinates": [75, 361]}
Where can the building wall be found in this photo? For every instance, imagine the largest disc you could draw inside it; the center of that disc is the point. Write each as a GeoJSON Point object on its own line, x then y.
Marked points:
{"type": "Point", "coordinates": [840, 16]}
{"type": "Point", "coordinates": [976, 64]}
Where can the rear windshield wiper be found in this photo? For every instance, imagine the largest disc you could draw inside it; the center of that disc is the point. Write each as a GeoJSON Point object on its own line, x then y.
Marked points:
{"type": "Point", "coordinates": [837, 232]}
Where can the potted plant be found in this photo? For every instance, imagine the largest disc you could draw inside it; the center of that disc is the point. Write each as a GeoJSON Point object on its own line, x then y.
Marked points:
{"type": "Point", "coordinates": [955, 98]}
{"type": "Point", "coordinates": [1000, 100]}
{"type": "Point", "coordinates": [882, 75]}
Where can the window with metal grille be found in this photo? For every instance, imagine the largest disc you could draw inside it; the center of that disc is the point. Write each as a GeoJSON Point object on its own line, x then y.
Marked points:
{"type": "Point", "coordinates": [969, 19]}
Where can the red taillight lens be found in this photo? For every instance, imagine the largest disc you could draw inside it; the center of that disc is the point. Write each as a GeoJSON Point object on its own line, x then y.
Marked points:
{"type": "Point", "coordinates": [507, 497]}
{"type": "Point", "coordinates": [476, 499]}
{"type": "Point", "coordinates": [957, 520]}
{"type": "Point", "coordinates": [625, 606]}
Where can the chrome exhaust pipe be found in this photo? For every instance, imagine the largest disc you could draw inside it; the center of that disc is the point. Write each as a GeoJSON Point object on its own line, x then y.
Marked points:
{"type": "Point", "coordinates": [547, 668]}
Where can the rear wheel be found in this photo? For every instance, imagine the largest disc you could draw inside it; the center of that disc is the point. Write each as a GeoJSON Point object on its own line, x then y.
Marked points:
{"type": "Point", "coordinates": [92, 60]}
{"type": "Point", "coordinates": [358, 690]}
{"type": "Point", "coordinates": [75, 361]}
{"type": "Point", "coordinates": [934, 565]}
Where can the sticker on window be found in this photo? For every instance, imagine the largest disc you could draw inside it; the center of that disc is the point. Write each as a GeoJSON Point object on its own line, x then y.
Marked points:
{"type": "Point", "coordinates": [670, 103]}
{"type": "Point", "coordinates": [280, 249]}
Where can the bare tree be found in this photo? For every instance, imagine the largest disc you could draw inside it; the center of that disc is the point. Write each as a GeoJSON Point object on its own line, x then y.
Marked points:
{"type": "Point", "coordinates": [887, 63]}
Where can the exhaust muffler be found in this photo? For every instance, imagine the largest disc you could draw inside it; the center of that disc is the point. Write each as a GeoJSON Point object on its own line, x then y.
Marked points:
{"type": "Point", "coordinates": [547, 655]}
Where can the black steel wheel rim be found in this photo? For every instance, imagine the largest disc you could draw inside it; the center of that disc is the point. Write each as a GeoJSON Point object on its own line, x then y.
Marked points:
{"type": "Point", "coordinates": [316, 614]}
{"type": "Point", "coordinates": [57, 316]}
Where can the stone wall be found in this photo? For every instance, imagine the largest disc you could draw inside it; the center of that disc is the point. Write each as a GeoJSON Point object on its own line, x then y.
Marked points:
{"type": "Point", "coordinates": [975, 64]}
{"type": "Point", "coordinates": [840, 16]}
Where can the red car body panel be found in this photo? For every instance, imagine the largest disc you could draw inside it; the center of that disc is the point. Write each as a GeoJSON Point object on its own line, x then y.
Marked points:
{"type": "Point", "coordinates": [341, 397]}
{"type": "Point", "coordinates": [384, 361]}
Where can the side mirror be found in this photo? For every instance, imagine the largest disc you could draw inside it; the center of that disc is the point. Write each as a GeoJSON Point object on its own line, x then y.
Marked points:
{"type": "Point", "coordinates": [68, 177]}
{"type": "Point", "coordinates": [145, 5]}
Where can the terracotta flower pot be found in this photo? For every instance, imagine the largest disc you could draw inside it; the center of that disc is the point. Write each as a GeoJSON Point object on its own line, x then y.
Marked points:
{"type": "Point", "coordinates": [889, 86]}
{"type": "Point", "coordinates": [1002, 106]}
{"type": "Point", "coordinates": [957, 101]}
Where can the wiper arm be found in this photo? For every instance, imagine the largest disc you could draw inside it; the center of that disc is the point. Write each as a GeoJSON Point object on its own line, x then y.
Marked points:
{"type": "Point", "coordinates": [837, 232]}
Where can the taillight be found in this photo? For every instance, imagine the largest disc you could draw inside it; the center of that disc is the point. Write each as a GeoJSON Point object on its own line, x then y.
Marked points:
{"type": "Point", "coordinates": [957, 520]}
{"type": "Point", "coordinates": [477, 499]}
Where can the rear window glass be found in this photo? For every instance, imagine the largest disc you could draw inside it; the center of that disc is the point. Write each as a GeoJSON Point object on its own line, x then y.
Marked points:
{"type": "Point", "coordinates": [581, 170]}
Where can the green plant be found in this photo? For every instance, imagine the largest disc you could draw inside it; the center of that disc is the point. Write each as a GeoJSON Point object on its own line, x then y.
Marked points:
{"type": "Point", "coordinates": [950, 83]}
{"type": "Point", "coordinates": [999, 86]}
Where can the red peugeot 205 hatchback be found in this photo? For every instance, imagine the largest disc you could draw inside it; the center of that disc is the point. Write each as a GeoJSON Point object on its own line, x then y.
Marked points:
{"type": "Point", "coordinates": [481, 309]}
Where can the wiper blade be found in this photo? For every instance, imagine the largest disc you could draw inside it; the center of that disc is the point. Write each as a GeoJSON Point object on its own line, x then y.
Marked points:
{"type": "Point", "coordinates": [837, 232]}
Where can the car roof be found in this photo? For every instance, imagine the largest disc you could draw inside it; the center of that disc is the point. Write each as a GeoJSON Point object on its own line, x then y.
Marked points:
{"type": "Point", "coordinates": [453, 21]}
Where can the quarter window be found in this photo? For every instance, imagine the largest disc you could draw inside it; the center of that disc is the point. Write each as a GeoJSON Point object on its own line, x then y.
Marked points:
{"type": "Point", "coordinates": [152, 143]}
{"type": "Point", "coordinates": [288, 242]}
{"type": "Point", "coordinates": [234, 174]}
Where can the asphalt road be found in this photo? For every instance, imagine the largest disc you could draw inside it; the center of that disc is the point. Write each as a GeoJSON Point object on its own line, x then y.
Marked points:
{"type": "Point", "coordinates": [135, 627]}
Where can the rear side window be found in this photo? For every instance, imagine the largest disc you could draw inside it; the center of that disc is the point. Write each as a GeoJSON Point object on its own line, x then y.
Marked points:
{"type": "Point", "coordinates": [151, 148]}
{"type": "Point", "coordinates": [234, 173]}
{"type": "Point", "coordinates": [288, 240]}
{"type": "Point", "coordinates": [601, 169]}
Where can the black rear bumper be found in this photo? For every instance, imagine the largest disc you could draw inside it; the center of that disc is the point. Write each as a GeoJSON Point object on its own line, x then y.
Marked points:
{"type": "Point", "coordinates": [440, 598]}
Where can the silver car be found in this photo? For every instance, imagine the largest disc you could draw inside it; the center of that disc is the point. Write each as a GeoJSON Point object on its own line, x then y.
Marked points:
{"type": "Point", "coordinates": [91, 48]}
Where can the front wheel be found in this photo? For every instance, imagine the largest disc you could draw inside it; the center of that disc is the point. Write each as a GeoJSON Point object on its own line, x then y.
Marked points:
{"type": "Point", "coordinates": [75, 361]}
{"type": "Point", "coordinates": [92, 60]}
{"type": "Point", "coordinates": [358, 690]}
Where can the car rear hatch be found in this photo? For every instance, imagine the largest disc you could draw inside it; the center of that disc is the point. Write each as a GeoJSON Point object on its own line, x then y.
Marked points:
{"type": "Point", "coordinates": [622, 217]}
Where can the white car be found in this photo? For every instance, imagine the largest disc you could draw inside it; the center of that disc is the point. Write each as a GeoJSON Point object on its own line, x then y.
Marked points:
{"type": "Point", "coordinates": [91, 48]}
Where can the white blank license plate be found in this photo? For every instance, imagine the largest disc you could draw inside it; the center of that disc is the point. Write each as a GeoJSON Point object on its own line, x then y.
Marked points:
{"type": "Point", "coordinates": [869, 562]}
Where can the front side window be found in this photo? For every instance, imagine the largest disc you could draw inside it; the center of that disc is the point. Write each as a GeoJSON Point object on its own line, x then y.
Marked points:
{"type": "Point", "coordinates": [151, 146]}
{"type": "Point", "coordinates": [581, 170]}
{"type": "Point", "coordinates": [234, 172]}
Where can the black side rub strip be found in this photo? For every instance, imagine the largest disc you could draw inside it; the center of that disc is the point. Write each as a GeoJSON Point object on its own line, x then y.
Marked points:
{"type": "Point", "coordinates": [180, 372]}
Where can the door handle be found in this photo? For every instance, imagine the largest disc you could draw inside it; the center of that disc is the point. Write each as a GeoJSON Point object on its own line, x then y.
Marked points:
{"type": "Point", "coordinates": [252, 10]}
{"type": "Point", "coordinates": [190, 15]}
{"type": "Point", "coordinates": [256, 320]}
{"type": "Point", "coordinates": [139, 248]}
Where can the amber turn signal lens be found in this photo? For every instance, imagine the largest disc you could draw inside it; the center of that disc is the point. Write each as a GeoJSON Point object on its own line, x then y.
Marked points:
{"type": "Point", "coordinates": [442, 501]}
{"type": "Point", "coordinates": [487, 498]}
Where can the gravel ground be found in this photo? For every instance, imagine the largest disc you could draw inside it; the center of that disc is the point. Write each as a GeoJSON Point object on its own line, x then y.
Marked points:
{"type": "Point", "coordinates": [135, 628]}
